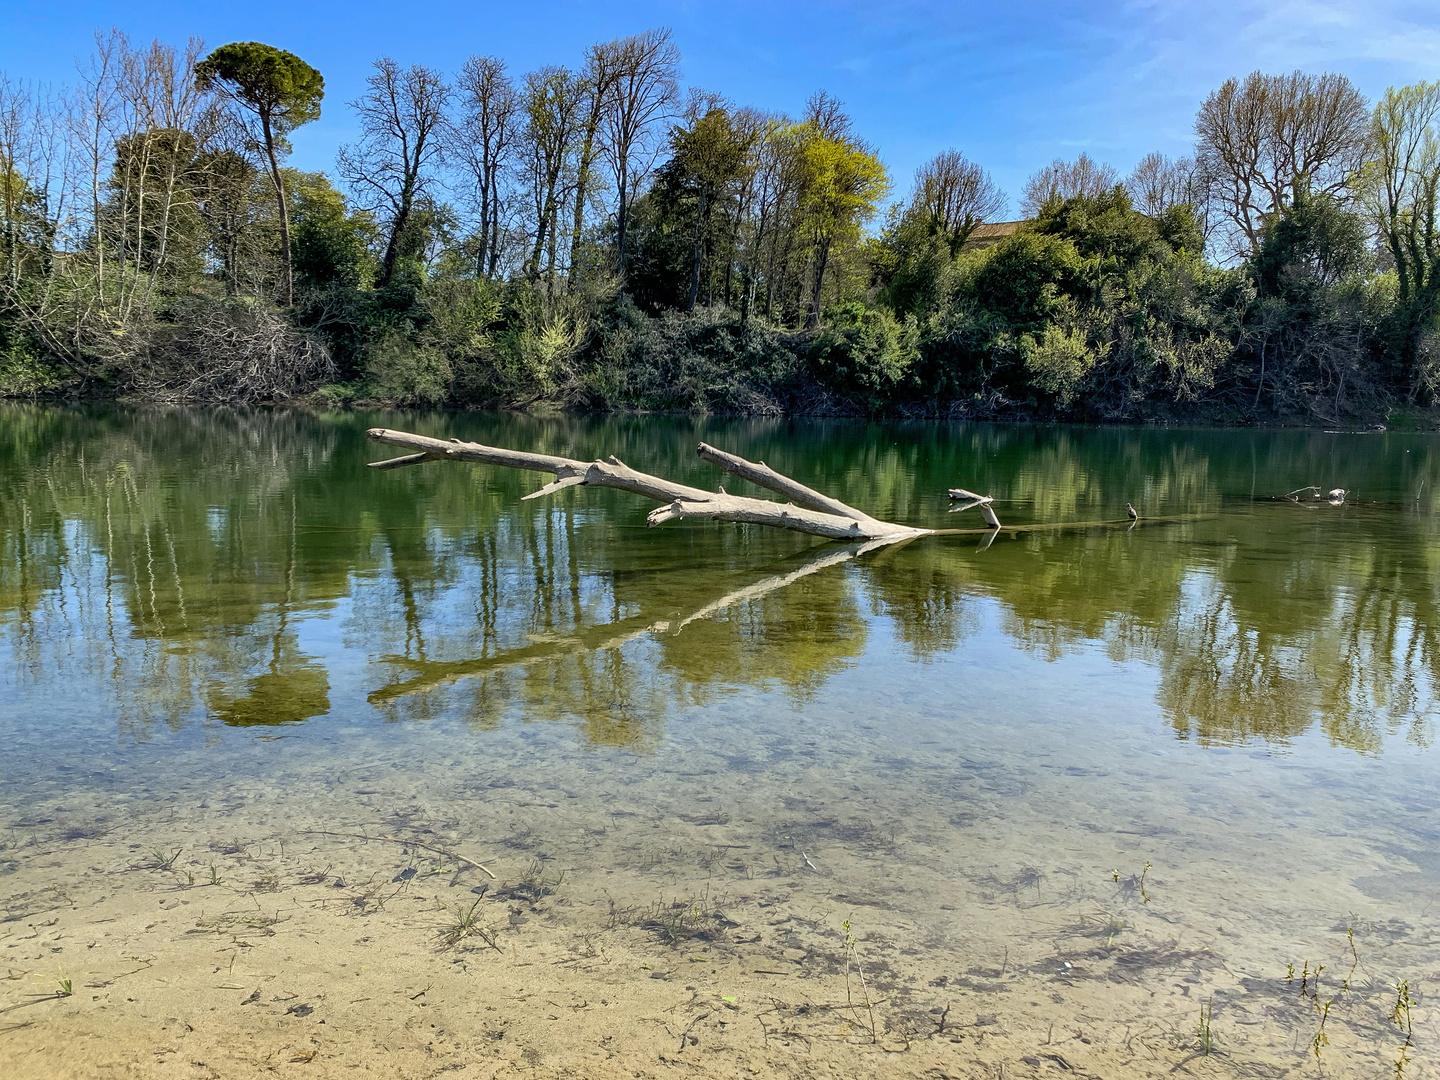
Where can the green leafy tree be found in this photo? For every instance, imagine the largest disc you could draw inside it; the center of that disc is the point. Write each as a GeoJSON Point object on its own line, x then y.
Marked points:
{"type": "Point", "coordinates": [282, 92]}
{"type": "Point", "coordinates": [1401, 189]}
{"type": "Point", "coordinates": [843, 184]}
{"type": "Point", "coordinates": [709, 160]}
{"type": "Point", "coordinates": [332, 245]}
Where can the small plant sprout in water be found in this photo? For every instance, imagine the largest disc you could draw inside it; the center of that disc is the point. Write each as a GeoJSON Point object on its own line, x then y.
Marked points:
{"type": "Point", "coordinates": [1309, 979]}
{"type": "Point", "coordinates": [1204, 1036]}
{"type": "Point", "coordinates": [1355, 959]}
{"type": "Point", "coordinates": [66, 989]}
{"type": "Point", "coordinates": [1321, 1039]}
{"type": "Point", "coordinates": [1400, 1014]}
{"type": "Point", "coordinates": [468, 922]}
{"type": "Point", "coordinates": [1133, 883]}
{"type": "Point", "coordinates": [161, 860]}
{"type": "Point", "coordinates": [1400, 1017]}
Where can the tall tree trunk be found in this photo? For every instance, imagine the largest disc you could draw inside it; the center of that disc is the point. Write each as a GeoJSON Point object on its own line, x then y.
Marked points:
{"type": "Point", "coordinates": [821, 258]}
{"type": "Point", "coordinates": [286, 270]}
{"type": "Point", "coordinates": [494, 227]}
{"type": "Point", "coordinates": [484, 226]}
{"type": "Point", "coordinates": [622, 219]}
{"type": "Point", "coordinates": [397, 231]}
{"type": "Point", "coordinates": [582, 184]}
{"type": "Point", "coordinates": [697, 250]}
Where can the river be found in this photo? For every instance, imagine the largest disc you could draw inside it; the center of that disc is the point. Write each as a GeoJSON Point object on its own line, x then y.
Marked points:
{"type": "Point", "coordinates": [1077, 796]}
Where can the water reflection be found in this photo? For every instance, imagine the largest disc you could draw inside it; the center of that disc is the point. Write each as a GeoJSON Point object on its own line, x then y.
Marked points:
{"type": "Point", "coordinates": [161, 568]}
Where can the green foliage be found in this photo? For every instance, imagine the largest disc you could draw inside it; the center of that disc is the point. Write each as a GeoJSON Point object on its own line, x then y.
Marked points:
{"type": "Point", "coordinates": [332, 246]}
{"type": "Point", "coordinates": [276, 85]}
{"type": "Point", "coordinates": [1023, 278]}
{"type": "Point", "coordinates": [1058, 361]}
{"type": "Point", "coordinates": [25, 370]}
{"type": "Point", "coordinates": [1311, 248]}
{"type": "Point", "coordinates": [865, 354]}
{"type": "Point", "coordinates": [404, 372]}
{"type": "Point", "coordinates": [206, 269]}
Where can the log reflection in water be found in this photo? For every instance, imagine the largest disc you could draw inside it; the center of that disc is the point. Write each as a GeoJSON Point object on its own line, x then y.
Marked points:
{"type": "Point", "coordinates": [432, 675]}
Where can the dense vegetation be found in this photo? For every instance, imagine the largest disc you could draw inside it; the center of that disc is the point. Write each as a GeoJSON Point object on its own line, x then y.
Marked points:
{"type": "Point", "coordinates": [597, 239]}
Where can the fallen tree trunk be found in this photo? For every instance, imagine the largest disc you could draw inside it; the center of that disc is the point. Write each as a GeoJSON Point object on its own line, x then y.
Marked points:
{"type": "Point", "coordinates": [809, 511]}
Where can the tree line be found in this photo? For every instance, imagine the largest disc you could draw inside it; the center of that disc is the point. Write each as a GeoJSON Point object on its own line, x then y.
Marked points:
{"type": "Point", "coordinates": [598, 236]}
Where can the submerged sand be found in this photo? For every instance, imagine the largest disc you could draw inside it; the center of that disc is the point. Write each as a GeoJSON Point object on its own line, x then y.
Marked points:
{"type": "Point", "coordinates": [648, 918]}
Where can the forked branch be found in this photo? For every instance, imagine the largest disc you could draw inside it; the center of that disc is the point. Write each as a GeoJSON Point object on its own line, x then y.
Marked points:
{"type": "Point", "coordinates": [809, 511]}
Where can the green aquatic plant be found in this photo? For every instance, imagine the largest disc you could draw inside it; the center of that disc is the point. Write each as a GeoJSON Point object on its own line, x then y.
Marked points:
{"type": "Point", "coordinates": [1400, 1013]}
{"type": "Point", "coordinates": [161, 861]}
{"type": "Point", "coordinates": [1204, 1036]}
{"type": "Point", "coordinates": [1400, 1017]}
{"type": "Point", "coordinates": [468, 922]}
{"type": "Point", "coordinates": [1309, 980]}
{"type": "Point", "coordinates": [66, 989]}
{"type": "Point", "coordinates": [1355, 959]}
{"type": "Point", "coordinates": [1321, 1039]}
{"type": "Point", "coordinates": [1134, 882]}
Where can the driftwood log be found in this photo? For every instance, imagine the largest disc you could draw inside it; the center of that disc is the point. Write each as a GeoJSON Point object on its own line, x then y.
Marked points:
{"type": "Point", "coordinates": [808, 511]}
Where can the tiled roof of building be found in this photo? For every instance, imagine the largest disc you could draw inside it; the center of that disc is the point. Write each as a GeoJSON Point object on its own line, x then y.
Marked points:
{"type": "Point", "coordinates": [990, 232]}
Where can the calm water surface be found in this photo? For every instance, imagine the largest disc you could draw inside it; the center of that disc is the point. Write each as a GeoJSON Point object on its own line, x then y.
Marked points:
{"type": "Point", "coordinates": [195, 601]}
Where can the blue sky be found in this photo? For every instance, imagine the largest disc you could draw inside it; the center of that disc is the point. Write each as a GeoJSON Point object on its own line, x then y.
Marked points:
{"type": "Point", "coordinates": [1011, 85]}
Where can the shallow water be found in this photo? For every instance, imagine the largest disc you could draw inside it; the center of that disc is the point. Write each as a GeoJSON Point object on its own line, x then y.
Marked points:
{"type": "Point", "coordinates": [1066, 780]}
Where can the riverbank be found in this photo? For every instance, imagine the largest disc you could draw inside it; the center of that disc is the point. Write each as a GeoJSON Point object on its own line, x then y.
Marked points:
{"type": "Point", "coordinates": [341, 399]}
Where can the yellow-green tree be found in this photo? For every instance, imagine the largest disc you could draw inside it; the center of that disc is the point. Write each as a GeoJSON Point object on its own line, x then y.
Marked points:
{"type": "Point", "coordinates": [843, 183]}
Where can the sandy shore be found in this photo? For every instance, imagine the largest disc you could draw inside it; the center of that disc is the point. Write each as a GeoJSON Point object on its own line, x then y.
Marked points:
{"type": "Point", "coordinates": [646, 934]}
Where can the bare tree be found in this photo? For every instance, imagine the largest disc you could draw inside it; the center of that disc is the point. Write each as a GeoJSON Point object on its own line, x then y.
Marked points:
{"type": "Point", "coordinates": [1400, 188]}
{"type": "Point", "coordinates": [393, 165]}
{"type": "Point", "coordinates": [92, 117]}
{"type": "Point", "coordinates": [161, 112]}
{"type": "Point", "coordinates": [31, 194]}
{"type": "Point", "coordinates": [483, 140]}
{"type": "Point", "coordinates": [644, 94]}
{"type": "Point", "coordinates": [953, 195]}
{"type": "Point", "coordinates": [604, 64]}
{"type": "Point", "coordinates": [1065, 180]}
{"type": "Point", "coordinates": [1159, 183]}
{"type": "Point", "coordinates": [826, 114]}
{"type": "Point", "coordinates": [1260, 138]}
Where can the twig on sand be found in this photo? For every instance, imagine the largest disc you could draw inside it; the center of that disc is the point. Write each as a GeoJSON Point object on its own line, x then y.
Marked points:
{"type": "Point", "coordinates": [408, 843]}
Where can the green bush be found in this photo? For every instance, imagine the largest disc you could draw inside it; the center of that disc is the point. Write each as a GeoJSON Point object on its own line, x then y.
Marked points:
{"type": "Point", "coordinates": [402, 372]}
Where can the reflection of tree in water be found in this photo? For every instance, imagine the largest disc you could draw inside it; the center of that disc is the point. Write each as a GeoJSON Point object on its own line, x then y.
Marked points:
{"type": "Point", "coordinates": [928, 592]}
{"type": "Point", "coordinates": [168, 559]}
{"type": "Point", "coordinates": [1345, 634]}
{"type": "Point", "coordinates": [795, 638]}
{"type": "Point", "coordinates": [294, 687]}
